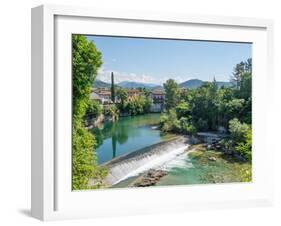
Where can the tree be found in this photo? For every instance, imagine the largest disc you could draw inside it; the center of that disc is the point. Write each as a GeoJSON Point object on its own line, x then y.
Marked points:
{"type": "Point", "coordinates": [239, 70]}
{"type": "Point", "coordinates": [172, 94]}
{"type": "Point", "coordinates": [183, 109]}
{"type": "Point", "coordinates": [94, 108]}
{"type": "Point", "coordinates": [186, 126]}
{"type": "Point", "coordinates": [234, 108]}
{"type": "Point", "coordinates": [147, 104]}
{"type": "Point", "coordinates": [122, 94]}
{"type": "Point", "coordinates": [244, 148]}
{"type": "Point", "coordinates": [238, 130]}
{"type": "Point", "coordinates": [236, 75]}
{"type": "Point", "coordinates": [112, 88]}
{"type": "Point", "coordinates": [113, 112]}
{"type": "Point", "coordinates": [169, 121]}
{"type": "Point", "coordinates": [204, 107]}
{"type": "Point", "coordinates": [138, 105]}
{"type": "Point", "coordinates": [245, 86]}
{"type": "Point", "coordinates": [86, 60]}
{"type": "Point", "coordinates": [248, 66]}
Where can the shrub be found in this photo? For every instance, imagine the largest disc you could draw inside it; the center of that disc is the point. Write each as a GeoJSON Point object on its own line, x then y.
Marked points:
{"type": "Point", "coordinates": [169, 122]}
{"type": "Point", "coordinates": [244, 148]}
{"type": "Point", "coordinates": [246, 174]}
{"type": "Point", "coordinates": [84, 159]}
{"type": "Point", "coordinates": [186, 127]}
{"type": "Point", "coordinates": [183, 109]}
{"type": "Point", "coordinates": [94, 109]}
{"type": "Point", "coordinates": [112, 111]}
{"type": "Point", "coordinates": [138, 105]}
{"type": "Point", "coordinates": [238, 130]}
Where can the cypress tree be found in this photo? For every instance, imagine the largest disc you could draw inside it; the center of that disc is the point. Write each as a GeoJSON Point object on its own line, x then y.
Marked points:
{"type": "Point", "coordinates": [112, 88]}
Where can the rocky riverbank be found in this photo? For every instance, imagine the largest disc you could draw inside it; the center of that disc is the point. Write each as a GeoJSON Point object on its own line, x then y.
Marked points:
{"type": "Point", "coordinates": [149, 179]}
{"type": "Point", "coordinates": [198, 165]}
{"type": "Point", "coordinates": [222, 145]}
{"type": "Point", "coordinates": [216, 166]}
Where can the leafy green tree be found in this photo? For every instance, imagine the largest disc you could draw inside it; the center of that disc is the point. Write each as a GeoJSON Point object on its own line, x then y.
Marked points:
{"type": "Point", "coordinates": [238, 130]}
{"type": "Point", "coordinates": [94, 109]}
{"type": "Point", "coordinates": [245, 86]}
{"type": "Point", "coordinates": [112, 111]}
{"type": "Point", "coordinates": [239, 70]}
{"type": "Point", "coordinates": [186, 126]}
{"type": "Point", "coordinates": [244, 148]}
{"type": "Point", "coordinates": [236, 75]}
{"type": "Point", "coordinates": [147, 104]}
{"type": "Point", "coordinates": [172, 94]}
{"type": "Point", "coordinates": [204, 107]}
{"type": "Point", "coordinates": [122, 94]}
{"type": "Point", "coordinates": [183, 109]}
{"type": "Point", "coordinates": [234, 108]}
{"type": "Point", "coordinates": [169, 121]}
{"type": "Point", "coordinates": [138, 105]}
{"type": "Point", "coordinates": [211, 108]}
{"type": "Point", "coordinates": [248, 66]}
{"type": "Point", "coordinates": [86, 60]}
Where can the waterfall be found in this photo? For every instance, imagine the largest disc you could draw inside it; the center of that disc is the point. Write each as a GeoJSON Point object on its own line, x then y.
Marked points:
{"type": "Point", "coordinates": [142, 160]}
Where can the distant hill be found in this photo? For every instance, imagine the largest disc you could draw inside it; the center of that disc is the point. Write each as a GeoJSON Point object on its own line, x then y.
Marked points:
{"type": "Point", "coordinates": [191, 84]}
{"type": "Point", "coordinates": [101, 84]}
{"type": "Point", "coordinates": [195, 83]}
{"type": "Point", "coordinates": [128, 84]}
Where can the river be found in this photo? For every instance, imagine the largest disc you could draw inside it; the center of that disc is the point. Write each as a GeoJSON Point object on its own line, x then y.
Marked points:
{"type": "Point", "coordinates": [126, 135]}
{"type": "Point", "coordinates": [133, 145]}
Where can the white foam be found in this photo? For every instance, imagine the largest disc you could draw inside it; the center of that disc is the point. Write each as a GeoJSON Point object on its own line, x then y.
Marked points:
{"type": "Point", "coordinates": [181, 161]}
{"type": "Point", "coordinates": [153, 160]}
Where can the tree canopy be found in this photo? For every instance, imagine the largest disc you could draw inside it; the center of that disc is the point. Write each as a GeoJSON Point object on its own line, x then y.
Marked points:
{"type": "Point", "coordinates": [210, 108]}
{"type": "Point", "coordinates": [86, 60]}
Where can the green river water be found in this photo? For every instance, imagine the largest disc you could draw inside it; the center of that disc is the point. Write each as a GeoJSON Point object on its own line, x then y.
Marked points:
{"type": "Point", "coordinates": [130, 134]}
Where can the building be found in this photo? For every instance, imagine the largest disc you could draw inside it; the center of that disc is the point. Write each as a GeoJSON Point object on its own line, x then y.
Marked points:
{"type": "Point", "coordinates": [103, 96]}
{"type": "Point", "coordinates": [132, 93]}
{"type": "Point", "coordinates": [158, 98]}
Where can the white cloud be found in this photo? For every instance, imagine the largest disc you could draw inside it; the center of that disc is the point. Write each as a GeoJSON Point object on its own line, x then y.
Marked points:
{"type": "Point", "coordinates": [105, 75]}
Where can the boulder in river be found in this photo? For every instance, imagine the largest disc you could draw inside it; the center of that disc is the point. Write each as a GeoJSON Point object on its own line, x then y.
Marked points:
{"type": "Point", "coordinates": [150, 178]}
{"type": "Point", "coordinates": [212, 159]}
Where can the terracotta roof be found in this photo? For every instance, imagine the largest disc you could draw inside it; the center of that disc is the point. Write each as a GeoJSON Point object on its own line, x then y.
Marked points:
{"type": "Point", "coordinates": [157, 92]}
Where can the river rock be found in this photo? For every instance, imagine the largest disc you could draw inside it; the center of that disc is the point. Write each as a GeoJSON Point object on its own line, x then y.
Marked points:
{"type": "Point", "coordinates": [212, 158]}
{"type": "Point", "coordinates": [150, 178]}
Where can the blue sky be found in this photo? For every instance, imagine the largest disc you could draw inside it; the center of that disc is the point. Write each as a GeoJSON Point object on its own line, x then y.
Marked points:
{"type": "Point", "coordinates": [156, 60]}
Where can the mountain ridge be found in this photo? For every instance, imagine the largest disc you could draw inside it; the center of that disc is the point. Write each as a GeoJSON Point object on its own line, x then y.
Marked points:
{"type": "Point", "coordinates": [196, 83]}
{"type": "Point", "coordinates": [190, 84]}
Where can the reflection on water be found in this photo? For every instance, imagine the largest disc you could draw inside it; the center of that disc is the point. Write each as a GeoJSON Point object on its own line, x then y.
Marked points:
{"type": "Point", "coordinates": [126, 135]}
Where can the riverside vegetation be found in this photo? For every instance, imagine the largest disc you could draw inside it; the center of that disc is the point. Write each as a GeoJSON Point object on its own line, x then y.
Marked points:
{"type": "Point", "coordinates": [187, 111]}
{"type": "Point", "coordinates": [210, 108]}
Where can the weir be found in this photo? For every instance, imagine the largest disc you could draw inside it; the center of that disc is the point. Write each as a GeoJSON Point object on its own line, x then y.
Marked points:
{"type": "Point", "coordinates": [144, 159]}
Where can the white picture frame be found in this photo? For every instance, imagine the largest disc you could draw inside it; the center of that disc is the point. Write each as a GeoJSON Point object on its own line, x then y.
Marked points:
{"type": "Point", "coordinates": [52, 197]}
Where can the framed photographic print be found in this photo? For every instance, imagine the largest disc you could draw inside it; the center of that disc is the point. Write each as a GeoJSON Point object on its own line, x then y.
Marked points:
{"type": "Point", "coordinates": [136, 113]}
